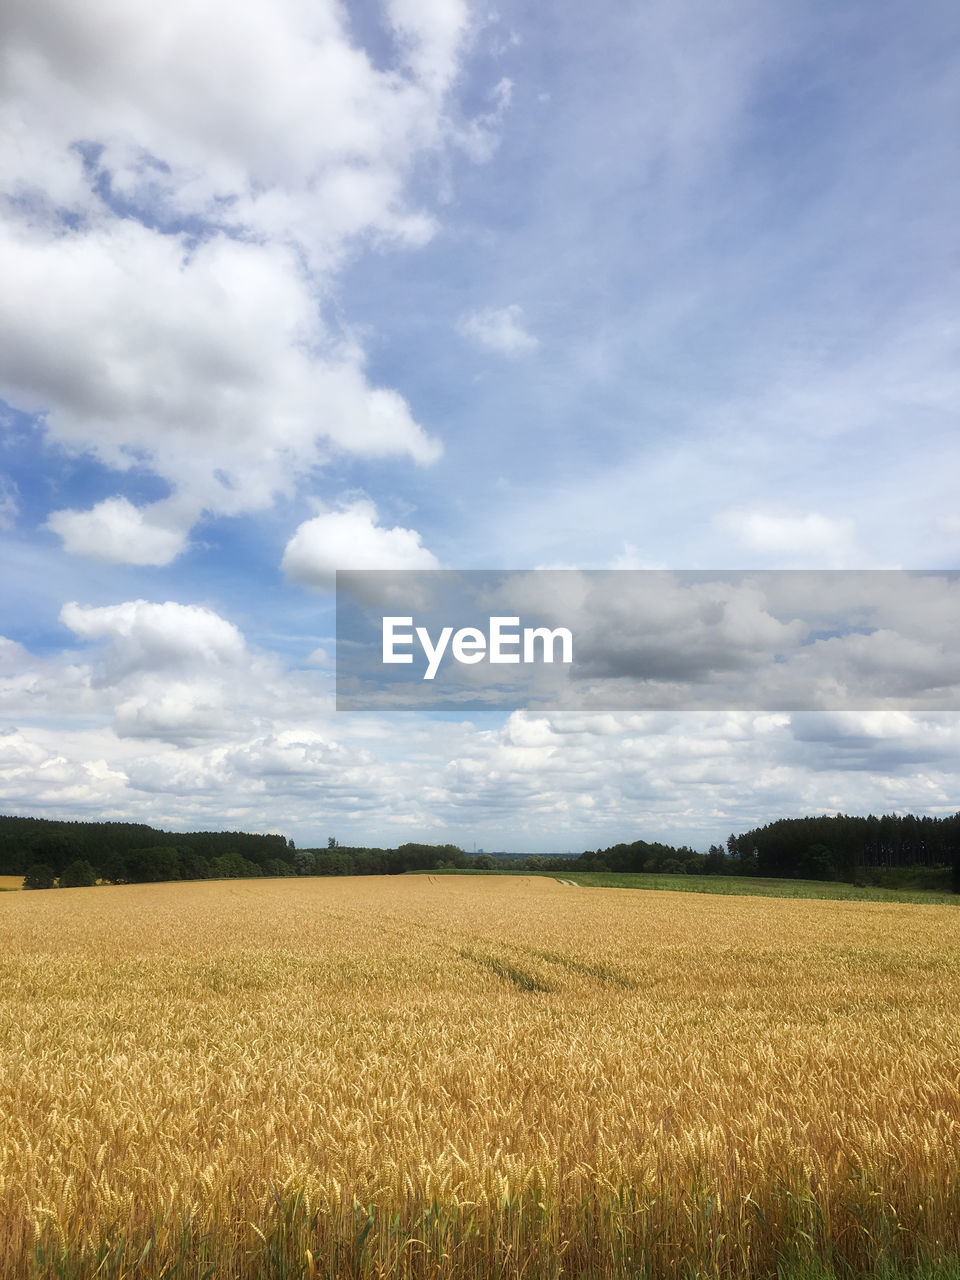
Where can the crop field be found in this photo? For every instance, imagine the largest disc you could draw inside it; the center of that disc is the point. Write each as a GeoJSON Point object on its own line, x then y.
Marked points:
{"type": "Point", "coordinates": [469, 1076]}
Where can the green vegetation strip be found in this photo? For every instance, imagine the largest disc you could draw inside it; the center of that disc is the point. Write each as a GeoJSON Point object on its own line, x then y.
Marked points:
{"type": "Point", "coordinates": [759, 886]}
{"type": "Point", "coordinates": [752, 886]}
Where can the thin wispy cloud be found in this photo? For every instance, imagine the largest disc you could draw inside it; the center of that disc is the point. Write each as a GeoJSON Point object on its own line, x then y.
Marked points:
{"type": "Point", "coordinates": [500, 329]}
{"type": "Point", "coordinates": [808, 538]}
{"type": "Point", "coordinates": [9, 506]}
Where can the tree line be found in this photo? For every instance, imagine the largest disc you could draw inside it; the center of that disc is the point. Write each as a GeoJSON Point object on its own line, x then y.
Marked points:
{"type": "Point", "coordinates": [72, 854]}
{"type": "Point", "coordinates": [75, 853]}
{"type": "Point", "coordinates": [844, 847]}
{"type": "Point", "coordinates": [841, 847]}
{"type": "Point", "coordinates": [347, 860]}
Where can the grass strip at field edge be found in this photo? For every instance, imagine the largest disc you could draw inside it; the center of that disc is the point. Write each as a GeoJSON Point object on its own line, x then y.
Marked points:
{"type": "Point", "coordinates": [741, 886]}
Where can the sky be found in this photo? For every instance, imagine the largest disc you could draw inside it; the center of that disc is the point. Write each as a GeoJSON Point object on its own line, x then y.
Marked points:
{"type": "Point", "coordinates": [290, 286]}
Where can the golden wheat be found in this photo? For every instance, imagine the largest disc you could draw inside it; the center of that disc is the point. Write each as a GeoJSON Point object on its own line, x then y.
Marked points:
{"type": "Point", "coordinates": [569, 1075]}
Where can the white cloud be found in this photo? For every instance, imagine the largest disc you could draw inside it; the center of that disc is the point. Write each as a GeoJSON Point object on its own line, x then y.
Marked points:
{"type": "Point", "coordinates": [251, 145]}
{"type": "Point", "coordinates": [173, 719]}
{"type": "Point", "coordinates": [156, 637]}
{"type": "Point", "coordinates": [816, 538]}
{"type": "Point", "coordinates": [117, 531]}
{"type": "Point", "coordinates": [175, 672]}
{"type": "Point", "coordinates": [432, 31]}
{"type": "Point", "coordinates": [205, 366]}
{"type": "Point", "coordinates": [213, 101]}
{"type": "Point", "coordinates": [351, 539]}
{"type": "Point", "coordinates": [499, 329]}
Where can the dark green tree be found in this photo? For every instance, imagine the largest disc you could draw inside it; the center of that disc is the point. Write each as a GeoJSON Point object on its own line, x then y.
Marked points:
{"type": "Point", "coordinates": [715, 862]}
{"type": "Point", "coordinates": [161, 862]}
{"type": "Point", "coordinates": [113, 867]}
{"type": "Point", "coordinates": [55, 847]}
{"type": "Point", "coordinates": [334, 863]}
{"type": "Point", "coordinates": [78, 875]}
{"type": "Point", "coordinates": [233, 866]}
{"type": "Point", "coordinates": [277, 867]}
{"type": "Point", "coordinates": [39, 876]}
{"type": "Point", "coordinates": [818, 863]}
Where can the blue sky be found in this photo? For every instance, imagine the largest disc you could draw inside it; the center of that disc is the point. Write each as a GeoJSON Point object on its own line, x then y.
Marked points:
{"type": "Point", "coordinates": [297, 286]}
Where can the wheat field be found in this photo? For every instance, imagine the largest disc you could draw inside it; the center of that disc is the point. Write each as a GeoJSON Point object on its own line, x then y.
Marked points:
{"type": "Point", "coordinates": [466, 1077]}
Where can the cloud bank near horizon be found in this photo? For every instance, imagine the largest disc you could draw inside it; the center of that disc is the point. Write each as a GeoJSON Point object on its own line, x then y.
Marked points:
{"type": "Point", "coordinates": [165, 712]}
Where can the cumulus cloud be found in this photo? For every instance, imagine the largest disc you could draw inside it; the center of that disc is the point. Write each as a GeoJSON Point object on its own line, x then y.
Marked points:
{"type": "Point", "coordinates": [351, 538]}
{"type": "Point", "coordinates": [182, 186]}
{"type": "Point", "coordinates": [145, 636]}
{"type": "Point", "coordinates": [34, 775]}
{"type": "Point", "coordinates": [207, 369]}
{"type": "Point", "coordinates": [117, 531]}
{"type": "Point", "coordinates": [499, 329]}
{"type": "Point", "coordinates": [171, 717]}
{"type": "Point", "coordinates": [210, 102]}
{"type": "Point", "coordinates": [170, 671]}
